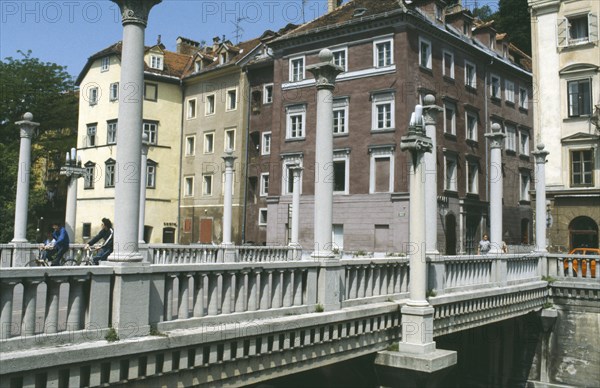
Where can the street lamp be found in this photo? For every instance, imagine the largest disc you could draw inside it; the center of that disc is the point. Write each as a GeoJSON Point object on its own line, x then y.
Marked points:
{"type": "Point", "coordinates": [72, 170]}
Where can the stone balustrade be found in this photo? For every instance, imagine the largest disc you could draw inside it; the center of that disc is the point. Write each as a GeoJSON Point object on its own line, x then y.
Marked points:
{"type": "Point", "coordinates": [571, 267]}
{"type": "Point", "coordinates": [375, 279]}
{"type": "Point", "coordinates": [182, 254]}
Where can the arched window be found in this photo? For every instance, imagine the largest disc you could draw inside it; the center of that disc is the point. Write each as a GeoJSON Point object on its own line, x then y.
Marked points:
{"type": "Point", "coordinates": [583, 233]}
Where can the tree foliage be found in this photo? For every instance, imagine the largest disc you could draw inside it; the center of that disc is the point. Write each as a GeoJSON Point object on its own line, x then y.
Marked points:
{"type": "Point", "coordinates": [46, 90]}
{"type": "Point", "coordinates": [513, 18]}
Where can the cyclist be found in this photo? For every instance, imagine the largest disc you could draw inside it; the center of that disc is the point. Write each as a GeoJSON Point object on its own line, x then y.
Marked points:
{"type": "Point", "coordinates": [106, 234]}
{"type": "Point", "coordinates": [47, 246]}
{"type": "Point", "coordinates": [61, 245]}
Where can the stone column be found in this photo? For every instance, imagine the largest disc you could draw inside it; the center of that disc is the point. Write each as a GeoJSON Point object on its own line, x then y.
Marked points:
{"type": "Point", "coordinates": [227, 243]}
{"type": "Point", "coordinates": [430, 112]}
{"type": "Point", "coordinates": [73, 171]}
{"type": "Point", "coordinates": [129, 142]}
{"type": "Point", "coordinates": [26, 127]}
{"type": "Point", "coordinates": [540, 198]}
{"type": "Point", "coordinates": [297, 176]}
{"type": "Point", "coordinates": [325, 73]}
{"type": "Point", "coordinates": [143, 177]}
{"type": "Point", "coordinates": [496, 187]}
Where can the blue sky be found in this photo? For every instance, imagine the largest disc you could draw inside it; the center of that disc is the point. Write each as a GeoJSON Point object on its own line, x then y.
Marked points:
{"type": "Point", "coordinates": [68, 32]}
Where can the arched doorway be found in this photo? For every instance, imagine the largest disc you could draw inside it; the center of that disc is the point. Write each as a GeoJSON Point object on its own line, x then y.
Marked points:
{"type": "Point", "coordinates": [583, 233]}
{"type": "Point", "coordinates": [450, 222]}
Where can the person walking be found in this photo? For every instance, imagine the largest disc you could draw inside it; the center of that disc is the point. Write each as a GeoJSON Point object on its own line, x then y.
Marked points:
{"type": "Point", "coordinates": [61, 245]}
{"type": "Point", "coordinates": [106, 234]}
{"type": "Point", "coordinates": [484, 245]}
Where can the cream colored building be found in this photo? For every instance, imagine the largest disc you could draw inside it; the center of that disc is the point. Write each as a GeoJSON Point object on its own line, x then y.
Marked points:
{"type": "Point", "coordinates": [100, 95]}
{"type": "Point", "coordinates": [566, 63]}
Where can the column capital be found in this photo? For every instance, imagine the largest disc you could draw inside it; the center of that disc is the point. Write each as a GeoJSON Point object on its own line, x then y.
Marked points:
{"type": "Point", "coordinates": [416, 141]}
{"type": "Point", "coordinates": [229, 157]}
{"type": "Point", "coordinates": [430, 110]}
{"type": "Point", "coordinates": [135, 11]}
{"type": "Point", "coordinates": [325, 71]}
{"type": "Point", "coordinates": [26, 126]}
{"type": "Point", "coordinates": [496, 136]}
{"type": "Point", "coordinates": [540, 154]}
{"type": "Point", "coordinates": [72, 171]}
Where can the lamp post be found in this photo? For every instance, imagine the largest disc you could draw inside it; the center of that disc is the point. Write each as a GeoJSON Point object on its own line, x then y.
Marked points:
{"type": "Point", "coordinates": [73, 171]}
{"type": "Point", "coordinates": [541, 208]}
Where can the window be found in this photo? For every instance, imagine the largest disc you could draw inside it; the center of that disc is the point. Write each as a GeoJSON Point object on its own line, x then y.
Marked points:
{"type": "Point", "coordinates": [262, 216]}
{"type": "Point", "coordinates": [86, 231]}
{"type": "Point", "coordinates": [381, 174]}
{"type": "Point", "coordinates": [296, 119]}
{"type": "Point", "coordinates": [450, 118]}
{"type": "Point", "coordinates": [93, 95]}
{"type": "Point", "coordinates": [582, 168]}
{"type": "Point", "coordinates": [525, 186]}
{"type": "Point", "coordinates": [156, 62]}
{"type": "Point", "coordinates": [340, 58]}
{"type": "Point", "coordinates": [510, 142]}
{"type": "Point", "coordinates": [151, 129]}
{"type": "Point", "coordinates": [91, 135]}
{"type": "Point", "coordinates": [229, 139]}
{"type": "Point", "coordinates": [439, 12]}
{"type": "Point", "coordinates": [210, 105]}
{"type": "Point", "coordinates": [105, 63]}
{"type": "Point", "coordinates": [383, 53]}
{"type": "Point", "coordinates": [577, 29]}
{"type": "Point", "coordinates": [190, 145]}
{"type": "Point", "coordinates": [111, 132]}
{"type": "Point", "coordinates": [231, 99]}
{"type": "Point", "coordinates": [296, 69]}
{"type": "Point", "coordinates": [209, 142]}
{"type": "Point", "coordinates": [90, 175]}
{"type": "Point", "coordinates": [383, 111]}
{"type": "Point", "coordinates": [470, 74]}
{"type": "Point", "coordinates": [151, 174]}
{"type": "Point", "coordinates": [268, 94]}
{"type": "Point", "coordinates": [523, 98]}
{"type": "Point", "coordinates": [288, 174]}
{"type": "Point", "coordinates": [109, 176]}
{"type": "Point", "coordinates": [197, 66]}
{"type": "Point", "coordinates": [188, 186]}
{"type": "Point", "coordinates": [425, 53]}
{"type": "Point", "coordinates": [114, 91]}
{"type": "Point", "coordinates": [448, 64]}
{"type": "Point", "coordinates": [472, 177]}
{"type": "Point", "coordinates": [264, 184]}
{"type": "Point", "coordinates": [207, 182]}
{"type": "Point", "coordinates": [191, 108]}
{"type": "Point", "coordinates": [266, 143]}
{"type": "Point", "coordinates": [340, 116]}
{"type": "Point", "coordinates": [580, 97]}
{"type": "Point", "coordinates": [509, 93]}
{"type": "Point", "coordinates": [150, 92]}
{"type": "Point", "coordinates": [524, 142]}
{"type": "Point", "coordinates": [450, 173]}
{"type": "Point", "coordinates": [471, 120]}
{"type": "Point", "coordinates": [495, 89]}
{"type": "Point", "coordinates": [341, 174]}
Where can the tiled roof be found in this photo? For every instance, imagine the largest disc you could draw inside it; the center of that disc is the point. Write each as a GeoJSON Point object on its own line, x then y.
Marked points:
{"type": "Point", "coordinates": [236, 53]}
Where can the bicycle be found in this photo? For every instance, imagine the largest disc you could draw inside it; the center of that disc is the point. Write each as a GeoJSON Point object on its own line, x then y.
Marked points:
{"type": "Point", "coordinates": [84, 257]}
{"type": "Point", "coordinates": [46, 260]}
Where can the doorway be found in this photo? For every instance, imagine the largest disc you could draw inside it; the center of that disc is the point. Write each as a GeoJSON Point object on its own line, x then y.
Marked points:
{"type": "Point", "coordinates": [583, 233]}
{"type": "Point", "coordinates": [206, 230]}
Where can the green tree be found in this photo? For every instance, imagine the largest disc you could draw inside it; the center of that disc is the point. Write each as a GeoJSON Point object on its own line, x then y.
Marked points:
{"type": "Point", "coordinates": [513, 18]}
{"type": "Point", "coordinates": [484, 13]}
{"type": "Point", "coordinates": [46, 90]}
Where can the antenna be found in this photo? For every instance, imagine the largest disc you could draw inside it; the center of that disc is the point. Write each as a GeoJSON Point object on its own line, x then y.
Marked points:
{"type": "Point", "coordinates": [237, 33]}
{"type": "Point", "coordinates": [303, 16]}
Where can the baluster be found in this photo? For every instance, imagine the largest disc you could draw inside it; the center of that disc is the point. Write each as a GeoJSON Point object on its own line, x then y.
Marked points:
{"type": "Point", "coordinates": [397, 278]}
{"type": "Point", "coordinates": [76, 304]}
{"type": "Point", "coordinates": [213, 280]}
{"type": "Point", "coordinates": [405, 278]}
{"type": "Point", "coordinates": [29, 306]}
{"type": "Point", "coordinates": [264, 289]}
{"type": "Point", "coordinates": [184, 293]}
{"type": "Point", "coordinates": [169, 297]}
{"type": "Point", "coordinates": [287, 287]}
{"type": "Point", "coordinates": [226, 292]}
{"type": "Point", "coordinates": [376, 280]}
{"type": "Point", "coordinates": [52, 301]}
{"type": "Point", "coordinates": [7, 288]}
{"type": "Point", "coordinates": [199, 280]}
{"type": "Point", "coordinates": [351, 282]}
{"type": "Point", "coordinates": [253, 294]}
{"type": "Point", "coordinates": [242, 280]}
{"type": "Point", "coordinates": [298, 276]}
{"type": "Point", "coordinates": [361, 281]}
{"type": "Point", "coordinates": [278, 289]}
{"type": "Point", "coordinates": [370, 280]}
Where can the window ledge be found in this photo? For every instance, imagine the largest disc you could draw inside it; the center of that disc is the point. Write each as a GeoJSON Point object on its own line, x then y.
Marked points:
{"type": "Point", "coordinates": [524, 157]}
{"type": "Point", "coordinates": [524, 110]}
{"type": "Point", "coordinates": [576, 118]}
{"type": "Point", "coordinates": [451, 193]}
{"type": "Point", "coordinates": [387, 130]}
{"type": "Point", "coordinates": [450, 136]}
{"type": "Point", "coordinates": [295, 139]}
{"type": "Point", "coordinates": [511, 152]}
{"type": "Point", "coordinates": [472, 89]}
{"type": "Point", "coordinates": [473, 195]}
{"type": "Point", "coordinates": [471, 142]}
{"type": "Point", "coordinates": [449, 79]}
{"type": "Point", "coordinates": [344, 134]}
{"type": "Point", "coordinates": [426, 69]}
{"type": "Point", "coordinates": [524, 202]}
{"type": "Point", "coordinates": [509, 103]}
{"type": "Point", "coordinates": [497, 100]}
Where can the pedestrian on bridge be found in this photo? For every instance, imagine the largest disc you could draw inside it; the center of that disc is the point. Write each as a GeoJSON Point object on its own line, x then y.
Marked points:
{"type": "Point", "coordinates": [106, 234]}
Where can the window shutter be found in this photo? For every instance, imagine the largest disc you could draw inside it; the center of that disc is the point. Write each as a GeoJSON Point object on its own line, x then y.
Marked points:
{"type": "Point", "coordinates": [562, 32]}
{"type": "Point", "coordinates": [593, 27]}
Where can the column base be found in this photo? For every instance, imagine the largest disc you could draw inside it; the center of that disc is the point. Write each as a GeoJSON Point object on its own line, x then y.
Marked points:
{"type": "Point", "coordinates": [126, 257]}
{"type": "Point", "coordinates": [397, 369]}
{"type": "Point", "coordinates": [417, 330]}
{"type": "Point", "coordinates": [330, 275]}
{"type": "Point", "coordinates": [322, 255]}
{"type": "Point", "coordinates": [131, 298]}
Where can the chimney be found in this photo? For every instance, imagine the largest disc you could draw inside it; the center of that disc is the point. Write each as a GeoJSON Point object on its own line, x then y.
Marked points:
{"type": "Point", "coordinates": [216, 40]}
{"type": "Point", "coordinates": [333, 4]}
{"type": "Point", "coordinates": [187, 46]}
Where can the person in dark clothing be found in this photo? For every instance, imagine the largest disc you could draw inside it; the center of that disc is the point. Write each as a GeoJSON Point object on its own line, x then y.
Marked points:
{"type": "Point", "coordinates": [106, 234]}
{"type": "Point", "coordinates": [61, 246]}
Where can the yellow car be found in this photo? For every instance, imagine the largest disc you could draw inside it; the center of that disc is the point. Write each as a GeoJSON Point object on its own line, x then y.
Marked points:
{"type": "Point", "coordinates": [584, 264]}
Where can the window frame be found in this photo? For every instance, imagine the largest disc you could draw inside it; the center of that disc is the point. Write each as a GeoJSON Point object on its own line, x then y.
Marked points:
{"type": "Point", "coordinates": [156, 61]}
{"type": "Point", "coordinates": [114, 91]}
{"type": "Point", "coordinates": [341, 105]}
{"type": "Point", "coordinates": [509, 91]}
{"type": "Point", "coordinates": [471, 133]}
{"type": "Point", "coordinates": [470, 82]}
{"type": "Point", "coordinates": [265, 145]}
{"type": "Point", "coordinates": [580, 102]}
{"type": "Point", "coordinates": [264, 188]}
{"type": "Point", "coordinates": [89, 179]}
{"type": "Point", "coordinates": [291, 112]}
{"type": "Point", "coordinates": [524, 186]}
{"type": "Point", "coordinates": [190, 151]}
{"type": "Point", "coordinates": [188, 186]}
{"type": "Point", "coordinates": [524, 146]}
{"type": "Point", "coordinates": [510, 141]}
{"type": "Point", "coordinates": [104, 64]}
{"type": "Point", "coordinates": [301, 60]}
{"type": "Point", "coordinates": [498, 95]}
{"type": "Point", "coordinates": [211, 143]}
{"type": "Point", "coordinates": [381, 153]}
{"type": "Point", "coordinates": [344, 51]}
{"type": "Point", "coordinates": [523, 98]}
{"type": "Point", "coordinates": [341, 157]}
{"type": "Point", "coordinates": [226, 139]}
{"type": "Point", "coordinates": [91, 133]}
{"type": "Point", "coordinates": [93, 95]}
{"type": "Point", "coordinates": [210, 102]}
{"type": "Point", "coordinates": [268, 93]}
{"type": "Point", "coordinates": [583, 172]}
{"type": "Point", "coordinates": [110, 173]}
{"type": "Point", "coordinates": [231, 104]}
{"type": "Point", "coordinates": [429, 59]}
{"type": "Point", "coordinates": [451, 69]}
{"type": "Point", "coordinates": [192, 109]}
{"type": "Point", "coordinates": [152, 130]}
{"type": "Point", "coordinates": [262, 221]}
{"type": "Point", "coordinates": [454, 109]}
{"type": "Point", "coordinates": [388, 59]}
{"type": "Point", "coordinates": [451, 181]}
{"type": "Point", "coordinates": [110, 124]}
{"type": "Point", "coordinates": [472, 180]}
{"type": "Point", "coordinates": [151, 174]}
{"type": "Point", "coordinates": [207, 185]}
{"type": "Point", "coordinates": [287, 185]}
{"type": "Point", "coordinates": [380, 99]}
{"type": "Point", "coordinates": [147, 97]}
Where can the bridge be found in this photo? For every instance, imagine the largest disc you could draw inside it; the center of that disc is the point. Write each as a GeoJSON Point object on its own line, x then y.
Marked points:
{"type": "Point", "coordinates": [203, 321]}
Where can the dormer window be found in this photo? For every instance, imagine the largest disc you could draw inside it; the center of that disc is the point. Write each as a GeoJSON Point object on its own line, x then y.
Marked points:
{"type": "Point", "coordinates": [439, 12]}
{"type": "Point", "coordinates": [493, 41]}
{"type": "Point", "coordinates": [223, 58]}
{"type": "Point", "coordinates": [197, 65]}
{"type": "Point", "coordinates": [467, 29]}
{"type": "Point", "coordinates": [156, 62]}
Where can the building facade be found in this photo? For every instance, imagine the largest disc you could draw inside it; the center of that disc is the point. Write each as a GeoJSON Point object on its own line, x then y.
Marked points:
{"type": "Point", "coordinates": [566, 60]}
{"type": "Point", "coordinates": [100, 95]}
{"type": "Point", "coordinates": [393, 55]}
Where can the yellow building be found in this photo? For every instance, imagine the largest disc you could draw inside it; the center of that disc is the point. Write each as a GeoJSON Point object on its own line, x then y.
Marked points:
{"type": "Point", "coordinates": [100, 95]}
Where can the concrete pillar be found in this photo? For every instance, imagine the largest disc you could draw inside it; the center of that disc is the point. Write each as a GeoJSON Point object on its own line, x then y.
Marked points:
{"type": "Point", "coordinates": [325, 73]}
{"type": "Point", "coordinates": [496, 187]}
{"type": "Point", "coordinates": [227, 203]}
{"type": "Point", "coordinates": [129, 143]}
{"type": "Point", "coordinates": [26, 127]}
{"type": "Point", "coordinates": [297, 176]}
{"type": "Point", "coordinates": [540, 198]}
{"type": "Point", "coordinates": [73, 171]}
{"type": "Point", "coordinates": [430, 112]}
{"type": "Point", "coordinates": [143, 176]}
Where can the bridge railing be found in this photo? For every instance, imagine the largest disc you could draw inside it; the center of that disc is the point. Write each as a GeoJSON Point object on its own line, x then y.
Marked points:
{"type": "Point", "coordinates": [564, 266]}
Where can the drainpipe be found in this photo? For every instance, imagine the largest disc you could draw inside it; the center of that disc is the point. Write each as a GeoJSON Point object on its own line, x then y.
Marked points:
{"type": "Point", "coordinates": [248, 108]}
{"type": "Point", "coordinates": [181, 151]}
